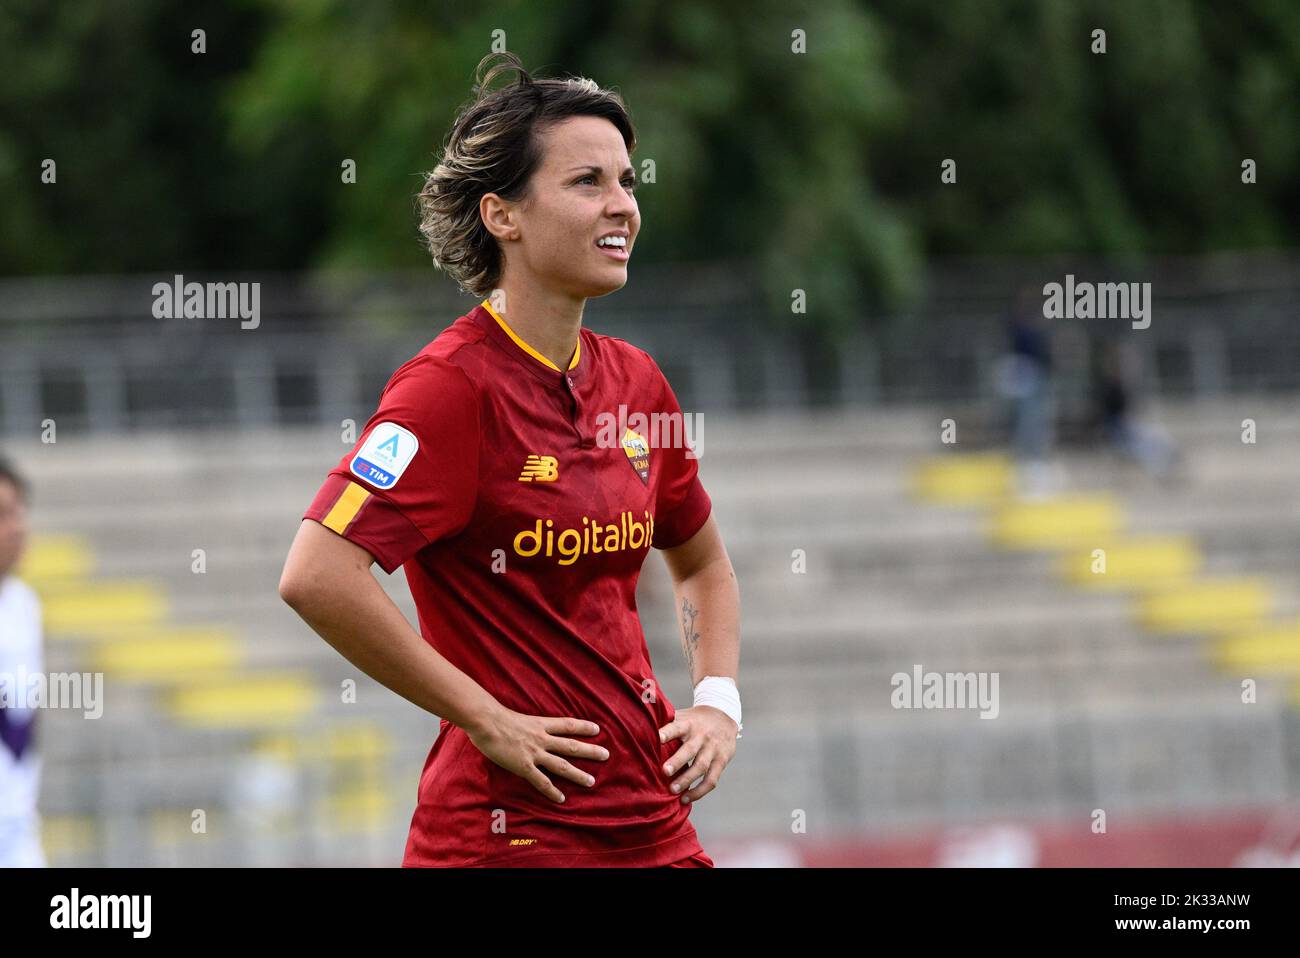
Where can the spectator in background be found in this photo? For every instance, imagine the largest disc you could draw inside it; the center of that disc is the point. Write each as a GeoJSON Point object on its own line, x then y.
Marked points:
{"type": "Point", "coordinates": [20, 653]}
{"type": "Point", "coordinates": [1025, 381]}
{"type": "Point", "coordinates": [1114, 385]}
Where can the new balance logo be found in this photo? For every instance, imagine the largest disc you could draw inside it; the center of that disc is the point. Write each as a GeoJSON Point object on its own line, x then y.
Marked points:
{"type": "Point", "coordinates": [540, 469]}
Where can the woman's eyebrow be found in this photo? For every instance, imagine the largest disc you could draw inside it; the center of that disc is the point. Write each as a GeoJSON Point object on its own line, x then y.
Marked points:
{"type": "Point", "coordinates": [600, 170]}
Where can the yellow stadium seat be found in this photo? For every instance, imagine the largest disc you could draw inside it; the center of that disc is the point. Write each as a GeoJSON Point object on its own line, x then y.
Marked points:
{"type": "Point", "coordinates": [54, 558]}
{"type": "Point", "coordinates": [1138, 563]}
{"type": "Point", "coordinates": [1062, 522]}
{"type": "Point", "coordinates": [360, 809]}
{"type": "Point", "coordinates": [162, 632]}
{"type": "Point", "coordinates": [172, 826]}
{"type": "Point", "coordinates": [285, 746]}
{"type": "Point", "coordinates": [167, 660]}
{"type": "Point", "coordinates": [1274, 648]}
{"type": "Point", "coordinates": [91, 609]}
{"type": "Point", "coordinates": [964, 479]}
{"type": "Point", "coordinates": [346, 742]}
{"type": "Point", "coordinates": [361, 740]}
{"type": "Point", "coordinates": [68, 836]}
{"type": "Point", "coordinates": [1207, 605]}
{"type": "Point", "coordinates": [249, 701]}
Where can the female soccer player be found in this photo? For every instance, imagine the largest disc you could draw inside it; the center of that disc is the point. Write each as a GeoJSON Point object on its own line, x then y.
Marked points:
{"type": "Point", "coordinates": [490, 471]}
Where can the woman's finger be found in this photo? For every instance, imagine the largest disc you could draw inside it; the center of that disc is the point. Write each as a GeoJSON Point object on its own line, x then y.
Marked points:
{"type": "Point", "coordinates": [572, 748]}
{"type": "Point", "coordinates": [698, 768]}
{"type": "Point", "coordinates": [709, 784]}
{"type": "Point", "coordinates": [560, 767]}
{"type": "Point", "coordinates": [537, 778]}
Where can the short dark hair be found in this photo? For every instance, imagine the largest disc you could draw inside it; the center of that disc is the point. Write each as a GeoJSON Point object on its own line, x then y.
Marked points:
{"type": "Point", "coordinates": [9, 472]}
{"type": "Point", "coordinates": [494, 147]}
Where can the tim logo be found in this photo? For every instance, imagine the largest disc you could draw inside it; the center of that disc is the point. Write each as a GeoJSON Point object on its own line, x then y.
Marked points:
{"type": "Point", "coordinates": [638, 454]}
{"type": "Point", "coordinates": [540, 469]}
{"type": "Point", "coordinates": [369, 470]}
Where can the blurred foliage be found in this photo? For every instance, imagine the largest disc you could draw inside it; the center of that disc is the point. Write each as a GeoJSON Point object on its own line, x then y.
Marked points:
{"type": "Point", "coordinates": [822, 169]}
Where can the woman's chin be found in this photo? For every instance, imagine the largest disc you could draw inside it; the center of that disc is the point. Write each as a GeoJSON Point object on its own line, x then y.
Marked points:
{"type": "Point", "coordinates": [604, 285]}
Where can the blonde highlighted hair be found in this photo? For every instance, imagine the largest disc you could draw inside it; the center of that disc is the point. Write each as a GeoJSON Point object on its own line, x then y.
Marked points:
{"type": "Point", "coordinates": [494, 147]}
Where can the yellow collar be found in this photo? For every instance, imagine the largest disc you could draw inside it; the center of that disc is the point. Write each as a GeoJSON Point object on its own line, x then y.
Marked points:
{"type": "Point", "coordinates": [529, 349]}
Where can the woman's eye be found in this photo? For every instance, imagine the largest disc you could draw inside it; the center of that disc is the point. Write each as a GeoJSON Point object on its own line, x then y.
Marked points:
{"type": "Point", "coordinates": [629, 184]}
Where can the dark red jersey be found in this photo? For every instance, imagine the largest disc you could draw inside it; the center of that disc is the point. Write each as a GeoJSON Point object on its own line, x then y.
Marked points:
{"type": "Point", "coordinates": [522, 500]}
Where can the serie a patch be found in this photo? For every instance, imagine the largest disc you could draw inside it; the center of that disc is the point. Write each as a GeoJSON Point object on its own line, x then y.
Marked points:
{"type": "Point", "coordinates": [385, 454]}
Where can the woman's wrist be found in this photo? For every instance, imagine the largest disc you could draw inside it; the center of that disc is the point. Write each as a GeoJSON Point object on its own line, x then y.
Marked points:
{"type": "Point", "coordinates": [482, 718]}
{"type": "Point", "coordinates": [721, 693]}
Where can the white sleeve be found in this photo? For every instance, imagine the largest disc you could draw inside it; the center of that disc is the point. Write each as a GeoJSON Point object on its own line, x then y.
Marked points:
{"type": "Point", "coordinates": [36, 650]}
{"type": "Point", "coordinates": [21, 653]}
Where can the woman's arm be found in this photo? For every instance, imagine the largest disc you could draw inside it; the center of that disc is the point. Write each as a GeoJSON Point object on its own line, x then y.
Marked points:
{"type": "Point", "coordinates": [708, 612]}
{"type": "Point", "coordinates": [708, 603]}
{"type": "Point", "coordinates": [327, 581]}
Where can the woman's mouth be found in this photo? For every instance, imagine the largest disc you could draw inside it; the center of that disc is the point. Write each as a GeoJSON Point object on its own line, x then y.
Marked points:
{"type": "Point", "coordinates": [610, 248]}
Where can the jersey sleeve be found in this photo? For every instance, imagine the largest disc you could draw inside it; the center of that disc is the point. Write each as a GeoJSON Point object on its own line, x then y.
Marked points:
{"type": "Point", "coordinates": [681, 504]}
{"type": "Point", "coordinates": [21, 653]}
{"type": "Point", "coordinates": [412, 477]}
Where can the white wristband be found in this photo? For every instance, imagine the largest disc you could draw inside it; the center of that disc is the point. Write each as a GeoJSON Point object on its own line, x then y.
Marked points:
{"type": "Point", "coordinates": [721, 693]}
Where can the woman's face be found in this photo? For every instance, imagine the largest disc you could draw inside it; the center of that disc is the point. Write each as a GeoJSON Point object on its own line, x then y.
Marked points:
{"type": "Point", "coordinates": [581, 192]}
{"type": "Point", "coordinates": [13, 526]}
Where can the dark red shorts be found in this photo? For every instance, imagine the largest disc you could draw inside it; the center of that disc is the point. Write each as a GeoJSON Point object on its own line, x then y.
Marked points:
{"type": "Point", "coordinates": [699, 860]}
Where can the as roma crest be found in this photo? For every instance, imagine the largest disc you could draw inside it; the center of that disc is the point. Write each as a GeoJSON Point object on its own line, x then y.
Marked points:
{"type": "Point", "coordinates": [638, 454]}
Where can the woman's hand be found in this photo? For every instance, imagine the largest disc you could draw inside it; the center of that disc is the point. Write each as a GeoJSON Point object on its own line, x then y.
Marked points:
{"type": "Point", "coordinates": [708, 742]}
{"type": "Point", "coordinates": [531, 745]}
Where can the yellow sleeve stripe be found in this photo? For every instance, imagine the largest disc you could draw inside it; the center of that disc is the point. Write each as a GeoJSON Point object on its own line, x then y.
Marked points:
{"type": "Point", "coordinates": [346, 508]}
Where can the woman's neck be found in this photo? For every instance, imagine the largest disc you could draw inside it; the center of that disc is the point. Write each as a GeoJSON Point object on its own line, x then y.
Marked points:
{"type": "Point", "coordinates": [547, 322]}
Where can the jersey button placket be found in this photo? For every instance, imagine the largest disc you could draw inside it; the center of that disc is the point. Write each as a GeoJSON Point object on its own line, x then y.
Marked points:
{"type": "Point", "coordinates": [576, 407]}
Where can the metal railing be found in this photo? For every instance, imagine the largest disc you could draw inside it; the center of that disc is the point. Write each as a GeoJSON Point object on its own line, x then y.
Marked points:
{"type": "Point", "coordinates": [89, 353]}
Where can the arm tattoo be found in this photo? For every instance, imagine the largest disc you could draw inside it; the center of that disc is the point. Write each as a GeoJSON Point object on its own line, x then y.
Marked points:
{"type": "Point", "coordinates": [690, 638]}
